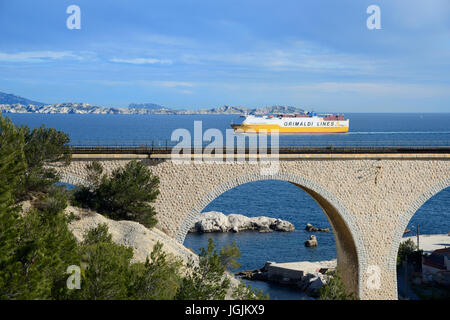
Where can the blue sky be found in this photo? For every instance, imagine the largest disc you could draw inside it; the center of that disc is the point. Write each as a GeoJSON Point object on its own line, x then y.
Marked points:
{"type": "Point", "coordinates": [190, 54]}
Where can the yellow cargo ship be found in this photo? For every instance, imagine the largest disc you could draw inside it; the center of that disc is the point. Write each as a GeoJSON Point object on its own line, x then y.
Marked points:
{"type": "Point", "coordinates": [299, 123]}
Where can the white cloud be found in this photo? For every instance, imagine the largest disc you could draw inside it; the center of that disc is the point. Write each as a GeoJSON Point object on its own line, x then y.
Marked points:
{"type": "Point", "coordinates": [37, 56]}
{"type": "Point", "coordinates": [172, 84]}
{"type": "Point", "coordinates": [385, 89]}
{"type": "Point", "coordinates": [186, 91]}
{"type": "Point", "coordinates": [166, 40]}
{"type": "Point", "coordinates": [147, 83]}
{"type": "Point", "coordinates": [290, 56]}
{"type": "Point", "coordinates": [142, 61]}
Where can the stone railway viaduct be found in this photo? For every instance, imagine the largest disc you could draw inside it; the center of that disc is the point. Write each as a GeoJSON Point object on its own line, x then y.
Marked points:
{"type": "Point", "coordinates": [368, 198]}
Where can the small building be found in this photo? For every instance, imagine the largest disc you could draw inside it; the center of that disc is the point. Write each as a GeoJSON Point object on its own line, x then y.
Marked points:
{"type": "Point", "coordinates": [436, 267]}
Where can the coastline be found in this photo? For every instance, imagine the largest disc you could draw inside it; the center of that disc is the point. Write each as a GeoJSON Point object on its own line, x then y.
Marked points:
{"type": "Point", "coordinates": [306, 276]}
{"type": "Point", "coordinates": [430, 242]}
{"type": "Point", "coordinates": [143, 108]}
{"type": "Point", "coordinates": [309, 276]}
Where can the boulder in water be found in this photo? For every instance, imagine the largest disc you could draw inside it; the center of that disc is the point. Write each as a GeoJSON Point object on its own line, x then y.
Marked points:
{"type": "Point", "coordinates": [312, 242]}
{"type": "Point", "coordinates": [310, 228]}
{"type": "Point", "coordinates": [214, 221]}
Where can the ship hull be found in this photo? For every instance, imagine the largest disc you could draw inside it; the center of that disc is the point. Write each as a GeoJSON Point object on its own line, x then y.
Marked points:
{"type": "Point", "coordinates": [267, 128]}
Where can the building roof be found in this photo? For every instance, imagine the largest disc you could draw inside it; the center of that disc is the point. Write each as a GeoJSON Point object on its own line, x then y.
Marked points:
{"type": "Point", "coordinates": [435, 261]}
{"type": "Point", "coordinates": [444, 252]}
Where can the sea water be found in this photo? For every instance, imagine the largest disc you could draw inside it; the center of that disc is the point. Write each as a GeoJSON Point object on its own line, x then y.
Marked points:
{"type": "Point", "coordinates": [277, 199]}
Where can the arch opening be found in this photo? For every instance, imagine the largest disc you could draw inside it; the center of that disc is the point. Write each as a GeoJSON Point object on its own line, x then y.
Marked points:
{"type": "Point", "coordinates": [349, 248]}
{"type": "Point", "coordinates": [345, 245]}
{"type": "Point", "coordinates": [425, 222]}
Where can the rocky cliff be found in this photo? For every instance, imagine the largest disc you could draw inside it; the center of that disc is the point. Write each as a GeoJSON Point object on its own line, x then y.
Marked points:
{"type": "Point", "coordinates": [135, 235]}
{"type": "Point", "coordinates": [127, 233]}
{"type": "Point", "coordinates": [85, 108]}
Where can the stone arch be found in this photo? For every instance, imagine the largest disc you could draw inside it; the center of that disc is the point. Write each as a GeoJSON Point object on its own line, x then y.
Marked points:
{"type": "Point", "coordinates": [404, 220]}
{"type": "Point", "coordinates": [352, 257]}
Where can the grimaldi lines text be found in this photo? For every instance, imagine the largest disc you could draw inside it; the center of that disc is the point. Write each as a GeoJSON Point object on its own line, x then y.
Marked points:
{"type": "Point", "coordinates": [300, 123]}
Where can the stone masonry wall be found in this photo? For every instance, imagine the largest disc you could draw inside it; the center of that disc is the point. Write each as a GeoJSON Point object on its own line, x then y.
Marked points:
{"type": "Point", "coordinates": [374, 197]}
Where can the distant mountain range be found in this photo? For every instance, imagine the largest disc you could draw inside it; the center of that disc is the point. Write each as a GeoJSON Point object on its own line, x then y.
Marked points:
{"type": "Point", "coordinates": [6, 98]}
{"type": "Point", "coordinates": [14, 104]}
{"type": "Point", "coordinates": [149, 106]}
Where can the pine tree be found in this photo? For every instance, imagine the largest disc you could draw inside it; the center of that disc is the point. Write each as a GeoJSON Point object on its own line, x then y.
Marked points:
{"type": "Point", "coordinates": [156, 279]}
{"type": "Point", "coordinates": [12, 168]}
{"type": "Point", "coordinates": [105, 272]}
{"type": "Point", "coordinates": [45, 249]}
{"type": "Point", "coordinates": [126, 195]}
{"type": "Point", "coordinates": [228, 256]}
{"type": "Point", "coordinates": [43, 146]}
{"type": "Point", "coordinates": [94, 172]}
{"type": "Point", "coordinates": [12, 162]}
{"type": "Point", "coordinates": [207, 280]}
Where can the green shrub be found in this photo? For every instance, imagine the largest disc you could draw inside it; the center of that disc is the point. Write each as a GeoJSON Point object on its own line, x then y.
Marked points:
{"type": "Point", "coordinates": [156, 279]}
{"type": "Point", "coordinates": [105, 266]}
{"type": "Point", "coordinates": [45, 248]}
{"type": "Point", "coordinates": [334, 288]}
{"type": "Point", "coordinates": [97, 235]}
{"type": "Point", "coordinates": [55, 200]}
{"type": "Point", "coordinates": [126, 195]}
{"type": "Point", "coordinates": [94, 173]}
{"type": "Point", "coordinates": [229, 255]}
{"type": "Point", "coordinates": [405, 249]}
{"type": "Point", "coordinates": [246, 292]}
{"type": "Point", "coordinates": [207, 281]}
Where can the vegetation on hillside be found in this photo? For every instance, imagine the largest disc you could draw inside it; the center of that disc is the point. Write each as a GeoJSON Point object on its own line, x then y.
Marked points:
{"type": "Point", "coordinates": [37, 249]}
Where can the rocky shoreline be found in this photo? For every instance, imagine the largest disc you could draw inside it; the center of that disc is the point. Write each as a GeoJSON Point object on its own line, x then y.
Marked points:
{"type": "Point", "coordinates": [215, 221]}
{"type": "Point", "coordinates": [14, 104]}
{"type": "Point", "coordinates": [308, 277]}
